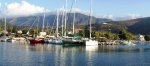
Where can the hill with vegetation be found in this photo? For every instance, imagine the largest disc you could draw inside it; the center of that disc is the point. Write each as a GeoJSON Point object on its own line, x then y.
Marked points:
{"type": "Point", "coordinates": [136, 26]}
{"type": "Point", "coordinates": [50, 19]}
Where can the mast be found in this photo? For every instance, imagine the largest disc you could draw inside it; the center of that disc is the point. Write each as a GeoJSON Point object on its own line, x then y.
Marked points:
{"type": "Point", "coordinates": [5, 27]}
{"type": "Point", "coordinates": [65, 16]}
{"type": "Point", "coordinates": [74, 17]}
{"type": "Point", "coordinates": [57, 23]}
{"type": "Point", "coordinates": [62, 32]}
{"type": "Point", "coordinates": [38, 24]}
{"type": "Point", "coordinates": [43, 23]}
{"type": "Point", "coordinates": [90, 17]}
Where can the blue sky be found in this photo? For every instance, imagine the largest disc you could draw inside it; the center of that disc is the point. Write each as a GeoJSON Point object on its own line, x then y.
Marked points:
{"type": "Point", "coordinates": [117, 8]}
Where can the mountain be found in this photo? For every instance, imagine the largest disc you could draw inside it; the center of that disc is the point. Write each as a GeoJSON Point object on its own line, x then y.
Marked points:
{"type": "Point", "coordinates": [50, 19]}
{"type": "Point", "coordinates": [2, 25]}
{"type": "Point", "coordinates": [136, 26]}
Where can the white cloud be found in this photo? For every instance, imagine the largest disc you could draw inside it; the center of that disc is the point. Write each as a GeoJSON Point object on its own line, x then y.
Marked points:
{"type": "Point", "coordinates": [23, 9]}
{"type": "Point", "coordinates": [108, 16]}
{"type": "Point", "coordinates": [129, 16]}
{"type": "Point", "coordinates": [72, 10]}
{"type": "Point", "coordinates": [77, 10]}
{"type": "Point", "coordinates": [133, 16]}
{"type": "Point", "coordinates": [0, 5]}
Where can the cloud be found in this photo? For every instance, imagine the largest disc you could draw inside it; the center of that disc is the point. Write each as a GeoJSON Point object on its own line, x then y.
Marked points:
{"type": "Point", "coordinates": [23, 9]}
{"type": "Point", "coordinates": [0, 5]}
{"type": "Point", "coordinates": [72, 10]}
{"type": "Point", "coordinates": [77, 10]}
{"type": "Point", "coordinates": [108, 16]}
{"type": "Point", "coordinates": [129, 16]}
{"type": "Point", "coordinates": [133, 16]}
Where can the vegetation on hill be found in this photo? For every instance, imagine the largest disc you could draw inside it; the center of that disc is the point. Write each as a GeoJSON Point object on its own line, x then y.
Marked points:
{"type": "Point", "coordinates": [103, 36]}
{"type": "Point", "coordinates": [50, 19]}
{"type": "Point", "coordinates": [135, 26]}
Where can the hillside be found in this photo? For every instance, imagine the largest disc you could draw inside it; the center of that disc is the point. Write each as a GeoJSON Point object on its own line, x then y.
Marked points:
{"type": "Point", "coordinates": [51, 18]}
{"type": "Point", "coordinates": [2, 25]}
{"type": "Point", "coordinates": [136, 26]}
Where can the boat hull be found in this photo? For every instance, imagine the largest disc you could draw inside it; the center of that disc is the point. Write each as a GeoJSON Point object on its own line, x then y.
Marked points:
{"type": "Point", "coordinates": [34, 41]}
{"type": "Point", "coordinates": [55, 41]}
{"type": "Point", "coordinates": [91, 43]}
{"type": "Point", "coordinates": [73, 42]}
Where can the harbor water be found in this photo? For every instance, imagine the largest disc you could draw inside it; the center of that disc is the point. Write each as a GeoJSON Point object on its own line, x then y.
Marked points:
{"type": "Point", "coordinates": [21, 54]}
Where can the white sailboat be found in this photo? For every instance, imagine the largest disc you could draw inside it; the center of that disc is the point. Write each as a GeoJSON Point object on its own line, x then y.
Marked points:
{"type": "Point", "coordinates": [91, 42]}
{"type": "Point", "coordinates": [4, 38]}
{"type": "Point", "coordinates": [57, 39]}
{"type": "Point", "coordinates": [72, 39]}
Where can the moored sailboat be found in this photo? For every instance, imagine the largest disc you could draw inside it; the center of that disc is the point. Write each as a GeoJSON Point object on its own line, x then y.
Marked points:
{"type": "Point", "coordinates": [72, 39]}
{"type": "Point", "coordinates": [91, 42]}
{"type": "Point", "coordinates": [4, 38]}
{"type": "Point", "coordinates": [39, 38]}
{"type": "Point", "coordinates": [57, 39]}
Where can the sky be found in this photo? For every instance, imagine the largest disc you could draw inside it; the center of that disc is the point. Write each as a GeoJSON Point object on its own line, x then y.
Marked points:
{"type": "Point", "coordinates": [101, 8]}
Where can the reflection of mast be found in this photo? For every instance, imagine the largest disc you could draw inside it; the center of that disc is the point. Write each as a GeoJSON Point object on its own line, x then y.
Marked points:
{"type": "Point", "coordinates": [73, 56]}
{"type": "Point", "coordinates": [90, 51]}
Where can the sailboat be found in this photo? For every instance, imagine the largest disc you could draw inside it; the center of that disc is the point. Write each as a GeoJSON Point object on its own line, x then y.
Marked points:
{"type": "Point", "coordinates": [40, 37]}
{"type": "Point", "coordinates": [73, 39]}
{"type": "Point", "coordinates": [91, 42]}
{"type": "Point", "coordinates": [57, 39]}
{"type": "Point", "coordinates": [4, 38]}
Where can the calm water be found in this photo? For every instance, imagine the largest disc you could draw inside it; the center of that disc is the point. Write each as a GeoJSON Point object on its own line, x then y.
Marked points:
{"type": "Point", "coordinates": [57, 55]}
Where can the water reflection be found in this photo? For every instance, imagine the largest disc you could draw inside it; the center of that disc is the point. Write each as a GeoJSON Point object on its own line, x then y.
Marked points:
{"type": "Point", "coordinates": [91, 54]}
{"type": "Point", "coordinates": [60, 55]}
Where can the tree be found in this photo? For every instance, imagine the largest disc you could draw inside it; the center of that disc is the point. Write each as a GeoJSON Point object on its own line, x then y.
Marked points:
{"type": "Point", "coordinates": [147, 37]}
{"type": "Point", "coordinates": [125, 35]}
{"type": "Point", "coordinates": [24, 31]}
{"type": "Point", "coordinates": [81, 33]}
{"type": "Point", "coordinates": [86, 33]}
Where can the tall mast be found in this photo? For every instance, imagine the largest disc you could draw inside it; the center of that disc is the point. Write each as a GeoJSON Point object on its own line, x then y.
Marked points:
{"type": "Point", "coordinates": [74, 17]}
{"type": "Point", "coordinates": [57, 23]}
{"type": "Point", "coordinates": [62, 32]}
{"type": "Point", "coordinates": [65, 16]}
{"type": "Point", "coordinates": [38, 24]}
{"type": "Point", "coordinates": [5, 27]}
{"type": "Point", "coordinates": [90, 17]}
{"type": "Point", "coordinates": [43, 23]}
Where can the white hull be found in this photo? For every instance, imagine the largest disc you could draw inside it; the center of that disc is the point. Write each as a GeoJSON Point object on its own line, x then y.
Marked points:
{"type": "Point", "coordinates": [55, 41]}
{"type": "Point", "coordinates": [127, 43]}
{"type": "Point", "coordinates": [4, 39]}
{"type": "Point", "coordinates": [19, 39]}
{"type": "Point", "coordinates": [91, 43]}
